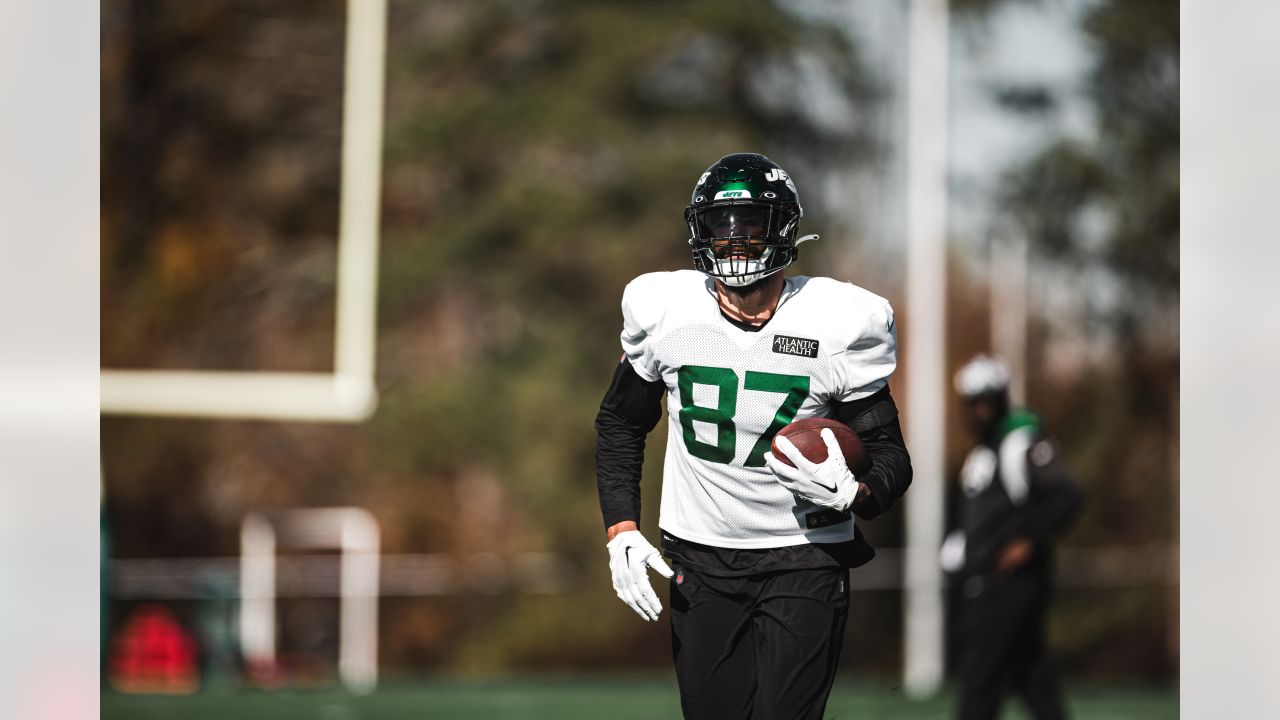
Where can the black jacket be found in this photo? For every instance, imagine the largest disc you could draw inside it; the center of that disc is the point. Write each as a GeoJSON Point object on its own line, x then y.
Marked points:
{"type": "Point", "coordinates": [1017, 485]}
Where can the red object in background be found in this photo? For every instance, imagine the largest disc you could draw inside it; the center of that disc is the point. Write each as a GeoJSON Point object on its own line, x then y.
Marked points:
{"type": "Point", "coordinates": [153, 653]}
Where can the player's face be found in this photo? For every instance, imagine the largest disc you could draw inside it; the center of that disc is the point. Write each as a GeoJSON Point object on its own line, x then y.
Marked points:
{"type": "Point", "coordinates": [736, 232]}
{"type": "Point", "coordinates": [739, 248]}
{"type": "Point", "coordinates": [983, 412]}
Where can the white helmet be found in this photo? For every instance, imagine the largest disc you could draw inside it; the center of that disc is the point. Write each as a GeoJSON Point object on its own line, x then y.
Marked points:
{"type": "Point", "coordinates": [981, 375]}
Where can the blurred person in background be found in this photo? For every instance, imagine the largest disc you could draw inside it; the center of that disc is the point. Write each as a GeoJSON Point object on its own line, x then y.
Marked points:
{"type": "Point", "coordinates": [761, 550]}
{"type": "Point", "coordinates": [1016, 497]}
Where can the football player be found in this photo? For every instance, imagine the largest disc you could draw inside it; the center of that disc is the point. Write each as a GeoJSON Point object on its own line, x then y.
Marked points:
{"type": "Point", "coordinates": [1016, 496]}
{"type": "Point", "coordinates": [760, 551]}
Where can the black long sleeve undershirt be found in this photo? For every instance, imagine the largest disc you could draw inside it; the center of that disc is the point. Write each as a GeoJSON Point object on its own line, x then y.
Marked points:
{"type": "Point", "coordinates": [1053, 503]}
{"type": "Point", "coordinates": [630, 410]}
{"type": "Point", "coordinates": [632, 407]}
{"type": "Point", "coordinates": [890, 474]}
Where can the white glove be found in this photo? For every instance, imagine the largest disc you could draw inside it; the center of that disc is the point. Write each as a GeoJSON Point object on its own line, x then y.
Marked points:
{"type": "Point", "coordinates": [829, 483]}
{"type": "Point", "coordinates": [951, 556]}
{"type": "Point", "coordinates": [629, 556]}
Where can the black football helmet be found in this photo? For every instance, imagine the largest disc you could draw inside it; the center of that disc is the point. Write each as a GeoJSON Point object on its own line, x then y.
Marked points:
{"type": "Point", "coordinates": [743, 219]}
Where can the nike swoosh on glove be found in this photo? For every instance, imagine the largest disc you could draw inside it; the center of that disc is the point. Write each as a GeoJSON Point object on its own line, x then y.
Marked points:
{"type": "Point", "coordinates": [829, 483]}
{"type": "Point", "coordinates": [630, 556]}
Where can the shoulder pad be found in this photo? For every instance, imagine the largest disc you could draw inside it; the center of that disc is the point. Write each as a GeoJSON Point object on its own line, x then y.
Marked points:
{"type": "Point", "coordinates": [860, 319]}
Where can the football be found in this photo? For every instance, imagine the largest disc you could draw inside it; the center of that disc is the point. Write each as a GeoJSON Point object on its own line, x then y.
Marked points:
{"type": "Point", "coordinates": [806, 435]}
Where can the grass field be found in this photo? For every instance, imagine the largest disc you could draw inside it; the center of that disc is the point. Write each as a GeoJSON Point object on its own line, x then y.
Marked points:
{"type": "Point", "coordinates": [574, 700]}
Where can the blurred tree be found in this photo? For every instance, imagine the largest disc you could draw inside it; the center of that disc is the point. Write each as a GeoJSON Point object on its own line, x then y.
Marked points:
{"type": "Point", "coordinates": [1111, 205]}
{"type": "Point", "coordinates": [221, 124]}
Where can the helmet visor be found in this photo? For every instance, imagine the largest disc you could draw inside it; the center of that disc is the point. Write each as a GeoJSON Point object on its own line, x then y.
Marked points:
{"type": "Point", "coordinates": [732, 221]}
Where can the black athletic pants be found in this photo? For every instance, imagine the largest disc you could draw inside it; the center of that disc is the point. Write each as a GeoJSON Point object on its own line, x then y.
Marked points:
{"type": "Point", "coordinates": [762, 647]}
{"type": "Point", "coordinates": [1005, 648]}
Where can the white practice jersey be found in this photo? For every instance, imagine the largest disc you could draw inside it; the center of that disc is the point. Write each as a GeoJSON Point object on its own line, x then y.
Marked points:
{"type": "Point", "coordinates": [729, 391]}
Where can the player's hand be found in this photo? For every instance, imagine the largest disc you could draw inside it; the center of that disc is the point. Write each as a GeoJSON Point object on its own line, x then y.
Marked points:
{"type": "Point", "coordinates": [951, 556]}
{"type": "Point", "coordinates": [829, 483]}
{"type": "Point", "coordinates": [630, 556]}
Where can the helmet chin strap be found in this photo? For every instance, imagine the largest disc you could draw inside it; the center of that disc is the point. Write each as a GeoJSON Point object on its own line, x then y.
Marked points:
{"type": "Point", "coordinates": [746, 279]}
{"type": "Point", "coordinates": [740, 280]}
{"type": "Point", "coordinates": [806, 238]}
{"type": "Point", "coordinates": [753, 274]}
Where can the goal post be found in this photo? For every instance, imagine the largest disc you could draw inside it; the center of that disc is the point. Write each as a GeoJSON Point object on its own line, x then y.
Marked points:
{"type": "Point", "coordinates": [348, 394]}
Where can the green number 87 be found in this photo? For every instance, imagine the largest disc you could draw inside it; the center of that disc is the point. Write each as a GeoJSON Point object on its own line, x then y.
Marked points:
{"type": "Point", "coordinates": [794, 387]}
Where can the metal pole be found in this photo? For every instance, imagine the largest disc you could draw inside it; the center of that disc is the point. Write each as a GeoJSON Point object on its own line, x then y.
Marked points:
{"type": "Point", "coordinates": [258, 592]}
{"type": "Point", "coordinates": [925, 341]}
{"type": "Point", "coordinates": [358, 643]}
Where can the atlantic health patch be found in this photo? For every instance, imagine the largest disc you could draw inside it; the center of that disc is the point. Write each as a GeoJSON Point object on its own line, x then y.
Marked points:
{"type": "Point", "coordinates": [788, 345]}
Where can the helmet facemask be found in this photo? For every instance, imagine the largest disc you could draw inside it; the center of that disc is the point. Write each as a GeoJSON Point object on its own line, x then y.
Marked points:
{"type": "Point", "coordinates": [742, 242]}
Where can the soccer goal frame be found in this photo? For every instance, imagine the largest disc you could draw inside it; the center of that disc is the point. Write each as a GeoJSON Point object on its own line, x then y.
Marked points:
{"type": "Point", "coordinates": [348, 394]}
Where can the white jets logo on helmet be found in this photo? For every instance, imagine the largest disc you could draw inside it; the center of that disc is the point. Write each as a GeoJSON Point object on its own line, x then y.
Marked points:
{"type": "Point", "coordinates": [776, 174]}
